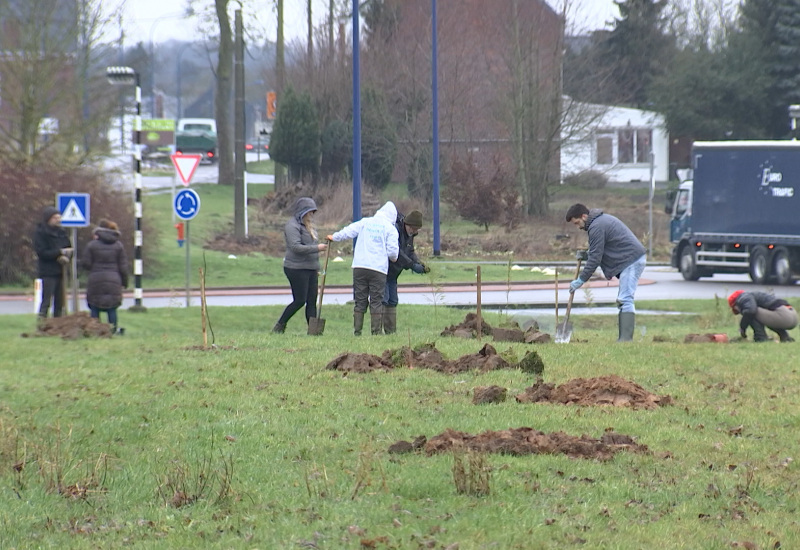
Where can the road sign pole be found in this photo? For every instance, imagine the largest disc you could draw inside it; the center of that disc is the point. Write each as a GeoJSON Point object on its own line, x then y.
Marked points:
{"type": "Point", "coordinates": [74, 266]}
{"type": "Point", "coordinates": [188, 266]}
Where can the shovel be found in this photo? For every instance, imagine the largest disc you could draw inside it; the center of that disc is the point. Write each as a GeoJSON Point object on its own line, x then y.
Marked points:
{"type": "Point", "coordinates": [316, 325]}
{"type": "Point", "coordinates": [564, 329]}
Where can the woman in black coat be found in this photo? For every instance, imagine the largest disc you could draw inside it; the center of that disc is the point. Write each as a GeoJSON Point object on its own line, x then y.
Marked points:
{"type": "Point", "coordinates": [107, 263]}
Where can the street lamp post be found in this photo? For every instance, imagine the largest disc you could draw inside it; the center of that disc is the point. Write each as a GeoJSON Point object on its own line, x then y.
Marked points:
{"type": "Point", "coordinates": [126, 76]}
{"type": "Point", "coordinates": [794, 114]}
{"type": "Point", "coordinates": [153, 59]}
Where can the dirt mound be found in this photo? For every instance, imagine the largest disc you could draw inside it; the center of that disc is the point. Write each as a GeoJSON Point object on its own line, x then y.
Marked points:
{"type": "Point", "coordinates": [468, 328]}
{"type": "Point", "coordinates": [425, 356]}
{"type": "Point", "coordinates": [605, 390]}
{"type": "Point", "coordinates": [358, 362]}
{"type": "Point", "coordinates": [72, 327]}
{"type": "Point", "coordinates": [525, 441]}
{"type": "Point", "coordinates": [428, 357]}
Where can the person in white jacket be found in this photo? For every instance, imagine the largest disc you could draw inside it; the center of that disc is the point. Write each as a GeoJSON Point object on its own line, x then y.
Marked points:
{"type": "Point", "coordinates": [376, 245]}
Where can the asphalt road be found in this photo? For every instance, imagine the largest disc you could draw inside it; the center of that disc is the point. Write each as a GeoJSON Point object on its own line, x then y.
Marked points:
{"type": "Point", "coordinates": [657, 283]}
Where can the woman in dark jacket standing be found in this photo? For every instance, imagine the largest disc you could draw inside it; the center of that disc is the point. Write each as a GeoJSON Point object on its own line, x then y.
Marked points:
{"type": "Point", "coordinates": [107, 263]}
{"type": "Point", "coordinates": [301, 262]}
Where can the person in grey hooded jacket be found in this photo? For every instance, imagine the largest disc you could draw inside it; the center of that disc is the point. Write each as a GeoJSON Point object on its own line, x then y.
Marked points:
{"type": "Point", "coordinates": [616, 250]}
{"type": "Point", "coordinates": [301, 261]}
{"type": "Point", "coordinates": [376, 245]}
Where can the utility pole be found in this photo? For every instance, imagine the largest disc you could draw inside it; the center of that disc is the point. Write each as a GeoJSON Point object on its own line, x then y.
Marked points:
{"type": "Point", "coordinates": [280, 75]}
{"type": "Point", "coordinates": [238, 129]}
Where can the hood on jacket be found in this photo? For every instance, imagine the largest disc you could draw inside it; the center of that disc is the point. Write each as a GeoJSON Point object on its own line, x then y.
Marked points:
{"type": "Point", "coordinates": [303, 206]}
{"type": "Point", "coordinates": [49, 212]}
{"type": "Point", "coordinates": [388, 212]}
{"type": "Point", "coordinates": [594, 213]}
{"type": "Point", "coordinates": [107, 235]}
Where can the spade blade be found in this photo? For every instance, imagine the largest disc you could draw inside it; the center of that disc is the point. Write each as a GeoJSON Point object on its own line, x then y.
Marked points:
{"type": "Point", "coordinates": [563, 332]}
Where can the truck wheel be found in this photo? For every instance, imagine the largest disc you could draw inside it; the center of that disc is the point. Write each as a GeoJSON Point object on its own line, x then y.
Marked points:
{"type": "Point", "coordinates": [688, 264]}
{"type": "Point", "coordinates": [781, 266]}
{"type": "Point", "coordinates": [759, 267]}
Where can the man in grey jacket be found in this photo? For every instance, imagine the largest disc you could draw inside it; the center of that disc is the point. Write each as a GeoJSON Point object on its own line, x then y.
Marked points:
{"type": "Point", "coordinates": [616, 250]}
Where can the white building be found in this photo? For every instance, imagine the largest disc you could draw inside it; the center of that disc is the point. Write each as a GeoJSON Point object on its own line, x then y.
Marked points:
{"type": "Point", "coordinates": [615, 141]}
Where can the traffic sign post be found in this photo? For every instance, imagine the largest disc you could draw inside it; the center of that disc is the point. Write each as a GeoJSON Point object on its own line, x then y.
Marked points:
{"type": "Point", "coordinates": [186, 206]}
{"type": "Point", "coordinates": [74, 209]}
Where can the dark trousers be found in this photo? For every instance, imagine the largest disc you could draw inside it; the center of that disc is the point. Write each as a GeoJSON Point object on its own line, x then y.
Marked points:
{"type": "Point", "coordinates": [304, 292]}
{"type": "Point", "coordinates": [112, 315]}
{"type": "Point", "coordinates": [52, 290]}
{"type": "Point", "coordinates": [368, 287]}
{"type": "Point", "coordinates": [390, 297]}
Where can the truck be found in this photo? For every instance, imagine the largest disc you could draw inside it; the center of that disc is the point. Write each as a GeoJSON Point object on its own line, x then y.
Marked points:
{"type": "Point", "coordinates": [197, 136]}
{"type": "Point", "coordinates": [740, 212]}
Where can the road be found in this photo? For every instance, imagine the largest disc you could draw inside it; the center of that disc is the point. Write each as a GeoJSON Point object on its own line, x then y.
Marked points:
{"type": "Point", "coordinates": [657, 283]}
{"type": "Point", "coordinates": [205, 173]}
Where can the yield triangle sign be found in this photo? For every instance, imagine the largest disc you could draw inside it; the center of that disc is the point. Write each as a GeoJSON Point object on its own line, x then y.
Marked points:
{"type": "Point", "coordinates": [73, 213]}
{"type": "Point", "coordinates": [186, 165]}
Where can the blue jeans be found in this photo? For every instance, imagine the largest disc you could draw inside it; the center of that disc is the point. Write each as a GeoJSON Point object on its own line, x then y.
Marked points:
{"type": "Point", "coordinates": [390, 298]}
{"type": "Point", "coordinates": [112, 315]}
{"type": "Point", "coordinates": [628, 281]}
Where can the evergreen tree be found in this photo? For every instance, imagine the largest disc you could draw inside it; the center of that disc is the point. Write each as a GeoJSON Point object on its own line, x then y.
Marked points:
{"type": "Point", "coordinates": [295, 138]}
{"type": "Point", "coordinates": [636, 51]}
{"type": "Point", "coordinates": [378, 139]}
{"type": "Point", "coordinates": [787, 64]}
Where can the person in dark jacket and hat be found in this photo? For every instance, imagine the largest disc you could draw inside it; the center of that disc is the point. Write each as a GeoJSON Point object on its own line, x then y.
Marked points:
{"type": "Point", "coordinates": [407, 228]}
{"type": "Point", "coordinates": [107, 263]}
{"type": "Point", "coordinates": [53, 249]}
{"type": "Point", "coordinates": [301, 261]}
{"type": "Point", "coordinates": [761, 309]}
{"type": "Point", "coordinates": [618, 253]}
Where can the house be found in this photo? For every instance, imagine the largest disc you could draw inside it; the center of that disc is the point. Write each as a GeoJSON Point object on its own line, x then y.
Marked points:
{"type": "Point", "coordinates": [615, 141]}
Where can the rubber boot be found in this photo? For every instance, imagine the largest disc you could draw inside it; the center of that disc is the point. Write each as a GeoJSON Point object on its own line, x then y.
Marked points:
{"type": "Point", "coordinates": [389, 320]}
{"type": "Point", "coordinates": [279, 328]}
{"type": "Point", "coordinates": [784, 335]}
{"type": "Point", "coordinates": [376, 321]}
{"type": "Point", "coordinates": [627, 320]}
{"type": "Point", "coordinates": [358, 322]}
{"type": "Point", "coordinates": [759, 333]}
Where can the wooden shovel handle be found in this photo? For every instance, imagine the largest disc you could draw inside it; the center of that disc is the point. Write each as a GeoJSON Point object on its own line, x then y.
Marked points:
{"type": "Point", "coordinates": [572, 294]}
{"type": "Point", "coordinates": [324, 273]}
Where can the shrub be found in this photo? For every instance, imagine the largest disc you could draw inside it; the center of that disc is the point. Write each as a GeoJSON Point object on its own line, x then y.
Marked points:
{"type": "Point", "coordinates": [589, 179]}
{"type": "Point", "coordinates": [25, 190]}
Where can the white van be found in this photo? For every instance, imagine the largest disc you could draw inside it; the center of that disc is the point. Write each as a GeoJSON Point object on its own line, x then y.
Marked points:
{"type": "Point", "coordinates": [197, 124]}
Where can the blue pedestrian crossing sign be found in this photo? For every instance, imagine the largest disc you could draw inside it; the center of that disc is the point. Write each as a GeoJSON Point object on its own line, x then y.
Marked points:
{"type": "Point", "coordinates": [187, 204]}
{"type": "Point", "coordinates": [74, 208]}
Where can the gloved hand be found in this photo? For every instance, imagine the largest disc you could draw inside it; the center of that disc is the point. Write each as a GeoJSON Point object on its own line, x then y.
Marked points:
{"type": "Point", "coordinates": [418, 268]}
{"type": "Point", "coordinates": [576, 284]}
{"type": "Point", "coordinates": [63, 260]}
{"type": "Point", "coordinates": [426, 269]}
{"type": "Point", "coordinates": [66, 252]}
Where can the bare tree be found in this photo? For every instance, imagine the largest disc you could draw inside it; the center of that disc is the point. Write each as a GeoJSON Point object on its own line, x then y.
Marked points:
{"type": "Point", "coordinates": [223, 96]}
{"type": "Point", "coordinates": [54, 97]}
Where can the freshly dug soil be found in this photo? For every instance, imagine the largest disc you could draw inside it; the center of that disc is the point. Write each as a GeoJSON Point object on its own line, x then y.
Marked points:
{"type": "Point", "coordinates": [526, 441]}
{"type": "Point", "coordinates": [605, 390]}
{"type": "Point", "coordinates": [72, 327]}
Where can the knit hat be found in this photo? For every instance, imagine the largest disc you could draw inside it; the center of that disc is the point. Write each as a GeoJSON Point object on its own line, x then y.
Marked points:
{"type": "Point", "coordinates": [49, 212]}
{"type": "Point", "coordinates": [732, 298]}
{"type": "Point", "coordinates": [414, 219]}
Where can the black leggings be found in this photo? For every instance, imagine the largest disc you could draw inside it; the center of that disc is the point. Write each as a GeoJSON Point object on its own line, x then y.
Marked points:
{"type": "Point", "coordinates": [52, 291]}
{"type": "Point", "coordinates": [304, 292]}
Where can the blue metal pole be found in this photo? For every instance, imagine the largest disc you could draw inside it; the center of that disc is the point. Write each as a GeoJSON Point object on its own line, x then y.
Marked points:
{"type": "Point", "coordinates": [435, 99]}
{"type": "Point", "coordinates": [356, 116]}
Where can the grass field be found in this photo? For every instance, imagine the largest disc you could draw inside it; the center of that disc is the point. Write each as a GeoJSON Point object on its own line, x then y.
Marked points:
{"type": "Point", "coordinates": [150, 441]}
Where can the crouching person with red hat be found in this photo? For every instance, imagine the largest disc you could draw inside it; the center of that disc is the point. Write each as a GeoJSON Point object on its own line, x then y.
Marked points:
{"type": "Point", "coordinates": [760, 310]}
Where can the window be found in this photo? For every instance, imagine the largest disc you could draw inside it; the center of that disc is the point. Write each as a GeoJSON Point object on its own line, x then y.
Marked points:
{"type": "Point", "coordinates": [623, 146]}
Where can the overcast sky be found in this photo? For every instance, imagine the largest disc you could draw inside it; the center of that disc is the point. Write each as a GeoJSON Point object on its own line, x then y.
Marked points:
{"type": "Point", "coordinates": [163, 18]}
